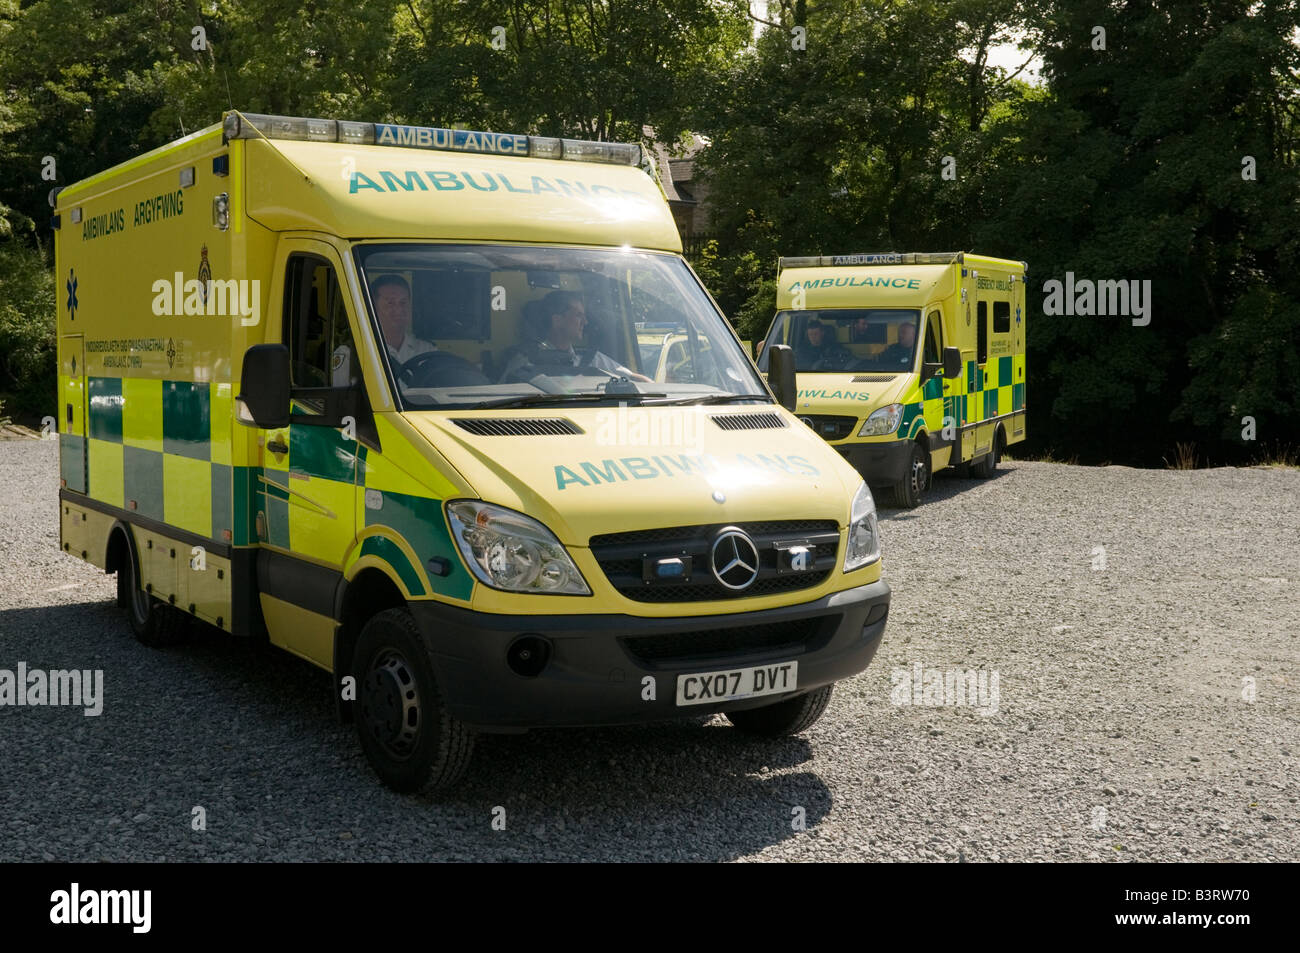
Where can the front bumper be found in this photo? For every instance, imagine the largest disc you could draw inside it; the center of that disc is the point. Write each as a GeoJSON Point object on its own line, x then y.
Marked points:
{"type": "Point", "coordinates": [598, 662]}
{"type": "Point", "coordinates": [881, 464]}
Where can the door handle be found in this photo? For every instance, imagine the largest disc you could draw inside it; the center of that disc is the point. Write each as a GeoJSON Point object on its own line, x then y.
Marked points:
{"type": "Point", "coordinates": [277, 446]}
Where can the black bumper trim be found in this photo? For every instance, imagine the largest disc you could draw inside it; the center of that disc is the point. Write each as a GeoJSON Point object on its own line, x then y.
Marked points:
{"type": "Point", "coordinates": [592, 678]}
{"type": "Point", "coordinates": [881, 464]}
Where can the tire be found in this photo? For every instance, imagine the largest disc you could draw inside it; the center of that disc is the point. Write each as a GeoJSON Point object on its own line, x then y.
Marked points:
{"type": "Point", "coordinates": [909, 490]}
{"type": "Point", "coordinates": [403, 725]}
{"type": "Point", "coordinates": [986, 466]}
{"type": "Point", "coordinates": [784, 718]}
{"type": "Point", "coordinates": [154, 624]}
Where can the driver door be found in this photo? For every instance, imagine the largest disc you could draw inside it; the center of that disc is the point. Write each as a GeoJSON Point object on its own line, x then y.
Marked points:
{"type": "Point", "coordinates": [308, 470]}
{"type": "Point", "coordinates": [937, 394]}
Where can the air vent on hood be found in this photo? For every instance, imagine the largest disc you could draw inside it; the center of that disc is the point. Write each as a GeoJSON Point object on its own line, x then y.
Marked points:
{"type": "Point", "coordinates": [517, 426]}
{"type": "Point", "coordinates": [872, 378]}
{"type": "Point", "coordinates": [765, 421]}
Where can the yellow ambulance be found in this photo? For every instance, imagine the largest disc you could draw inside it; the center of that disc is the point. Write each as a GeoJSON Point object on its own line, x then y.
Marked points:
{"type": "Point", "coordinates": [906, 362]}
{"type": "Point", "coordinates": [376, 393]}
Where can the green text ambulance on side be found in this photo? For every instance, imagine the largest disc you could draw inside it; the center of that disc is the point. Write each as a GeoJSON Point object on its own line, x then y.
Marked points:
{"type": "Point", "coordinates": [907, 362]}
{"type": "Point", "coordinates": [375, 392]}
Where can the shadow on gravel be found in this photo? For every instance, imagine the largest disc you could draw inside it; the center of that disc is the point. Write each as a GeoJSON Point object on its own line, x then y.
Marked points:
{"type": "Point", "coordinates": [946, 486]}
{"type": "Point", "coordinates": [250, 731]}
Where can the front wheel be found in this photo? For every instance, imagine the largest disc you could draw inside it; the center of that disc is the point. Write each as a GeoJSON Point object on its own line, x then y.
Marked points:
{"type": "Point", "coordinates": [907, 491]}
{"type": "Point", "coordinates": [409, 737]}
{"type": "Point", "coordinates": [784, 718]}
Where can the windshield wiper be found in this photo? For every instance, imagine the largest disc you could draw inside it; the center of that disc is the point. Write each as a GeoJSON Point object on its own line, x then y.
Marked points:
{"type": "Point", "coordinates": [712, 399]}
{"type": "Point", "coordinates": [528, 400]}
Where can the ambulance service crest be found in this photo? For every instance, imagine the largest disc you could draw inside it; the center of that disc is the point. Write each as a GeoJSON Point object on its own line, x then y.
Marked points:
{"type": "Point", "coordinates": [205, 274]}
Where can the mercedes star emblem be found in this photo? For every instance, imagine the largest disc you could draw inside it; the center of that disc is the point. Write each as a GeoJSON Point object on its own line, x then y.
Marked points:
{"type": "Point", "coordinates": [735, 559]}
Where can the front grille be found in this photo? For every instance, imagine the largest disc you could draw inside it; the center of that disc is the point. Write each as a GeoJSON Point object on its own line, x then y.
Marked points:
{"type": "Point", "coordinates": [624, 557]}
{"type": "Point", "coordinates": [662, 533]}
{"type": "Point", "coordinates": [830, 427]}
{"type": "Point", "coordinates": [794, 637]}
{"type": "Point", "coordinates": [763, 421]}
{"type": "Point", "coordinates": [517, 426]}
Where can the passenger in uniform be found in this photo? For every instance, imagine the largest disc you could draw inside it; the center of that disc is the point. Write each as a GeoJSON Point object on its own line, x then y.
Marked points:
{"type": "Point", "coordinates": [566, 318]}
{"type": "Point", "coordinates": [898, 356]}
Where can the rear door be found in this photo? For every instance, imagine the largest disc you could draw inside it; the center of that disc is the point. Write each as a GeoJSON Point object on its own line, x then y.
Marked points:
{"type": "Point", "coordinates": [72, 412]}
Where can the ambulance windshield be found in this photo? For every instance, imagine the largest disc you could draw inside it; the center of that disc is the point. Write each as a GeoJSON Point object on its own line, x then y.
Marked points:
{"type": "Point", "coordinates": [496, 325]}
{"type": "Point", "coordinates": [847, 339]}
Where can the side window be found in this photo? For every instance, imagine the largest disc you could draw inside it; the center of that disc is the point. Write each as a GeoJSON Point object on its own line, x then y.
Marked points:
{"type": "Point", "coordinates": [679, 363]}
{"type": "Point", "coordinates": [1001, 317]}
{"type": "Point", "coordinates": [650, 301]}
{"type": "Point", "coordinates": [933, 340]}
{"type": "Point", "coordinates": [316, 331]}
{"type": "Point", "coordinates": [982, 320]}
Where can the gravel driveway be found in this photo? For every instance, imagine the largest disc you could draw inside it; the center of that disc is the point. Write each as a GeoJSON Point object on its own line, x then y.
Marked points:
{"type": "Point", "coordinates": [1133, 702]}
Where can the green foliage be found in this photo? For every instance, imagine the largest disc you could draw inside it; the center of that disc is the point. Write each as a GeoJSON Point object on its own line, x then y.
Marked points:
{"type": "Point", "coordinates": [1132, 168]}
{"type": "Point", "coordinates": [1247, 367]}
{"type": "Point", "coordinates": [1125, 163]}
{"type": "Point", "coordinates": [27, 307]}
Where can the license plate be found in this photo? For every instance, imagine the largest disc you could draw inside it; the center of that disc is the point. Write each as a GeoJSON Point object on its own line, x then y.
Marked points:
{"type": "Point", "coordinates": [708, 687]}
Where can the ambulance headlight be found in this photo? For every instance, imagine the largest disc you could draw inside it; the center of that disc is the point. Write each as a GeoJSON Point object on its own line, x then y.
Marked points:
{"type": "Point", "coordinates": [511, 551]}
{"type": "Point", "coordinates": [883, 421]}
{"type": "Point", "coordinates": [864, 533]}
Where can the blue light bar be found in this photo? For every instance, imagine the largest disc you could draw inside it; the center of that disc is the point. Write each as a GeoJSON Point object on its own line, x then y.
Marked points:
{"type": "Point", "coordinates": [882, 258]}
{"type": "Point", "coordinates": [237, 125]}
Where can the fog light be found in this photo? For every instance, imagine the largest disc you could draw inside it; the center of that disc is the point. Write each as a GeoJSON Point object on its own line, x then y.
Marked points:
{"type": "Point", "coordinates": [528, 655]}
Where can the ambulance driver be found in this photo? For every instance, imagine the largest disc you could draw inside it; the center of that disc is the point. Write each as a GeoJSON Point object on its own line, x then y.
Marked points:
{"type": "Point", "coordinates": [392, 303]}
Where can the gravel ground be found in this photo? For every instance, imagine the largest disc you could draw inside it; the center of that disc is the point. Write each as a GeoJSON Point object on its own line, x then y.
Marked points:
{"type": "Point", "coordinates": [1147, 710]}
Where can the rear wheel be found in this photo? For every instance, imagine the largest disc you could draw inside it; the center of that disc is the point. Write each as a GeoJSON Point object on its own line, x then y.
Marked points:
{"type": "Point", "coordinates": [784, 718]}
{"type": "Point", "coordinates": [908, 491]}
{"type": "Point", "coordinates": [987, 465]}
{"type": "Point", "coordinates": [403, 725]}
{"type": "Point", "coordinates": [153, 623]}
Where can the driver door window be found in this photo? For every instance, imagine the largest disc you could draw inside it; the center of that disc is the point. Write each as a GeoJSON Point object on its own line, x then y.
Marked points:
{"type": "Point", "coordinates": [933, 340]}
{"type": "Point", "coordinates": [321, 351]}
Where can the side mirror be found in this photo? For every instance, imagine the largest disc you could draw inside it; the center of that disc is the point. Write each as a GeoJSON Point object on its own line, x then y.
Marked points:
{"type": "Point", "coordinates": [264, 385]}
{"type": "Point", "coordinates": [780, 376]}
{"type": "Point", "coordinates": [951, 363]}
{"type": "Point", "coordinates": [928, 370]}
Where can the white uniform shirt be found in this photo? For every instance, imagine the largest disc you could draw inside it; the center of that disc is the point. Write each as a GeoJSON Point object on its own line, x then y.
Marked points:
{"type": "Point", "coordinates": [343, 374]}
{"type": "Point", "coordinates": [411, 346]}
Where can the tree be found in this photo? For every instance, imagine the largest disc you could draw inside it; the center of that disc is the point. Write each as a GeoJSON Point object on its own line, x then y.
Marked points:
{"type": "Point", "coordinates": [1132, 169]}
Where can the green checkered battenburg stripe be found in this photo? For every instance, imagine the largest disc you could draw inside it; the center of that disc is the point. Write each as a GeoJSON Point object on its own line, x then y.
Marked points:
{"type": "Point", "coordinates": [165, 446]}
{"type": "Point", "coordinates": [990, 393]}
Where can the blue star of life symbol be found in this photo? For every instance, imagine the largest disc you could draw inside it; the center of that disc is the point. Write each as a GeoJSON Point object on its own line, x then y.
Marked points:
{"type": "Point", "coordinates": [1017, 314]}
{"type": "Point", "coordinates": [72, 295]}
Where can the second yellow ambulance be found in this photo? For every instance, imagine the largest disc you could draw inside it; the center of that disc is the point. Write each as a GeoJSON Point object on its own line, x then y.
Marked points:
{"type": "Point", "coordinates": [907, 363]}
